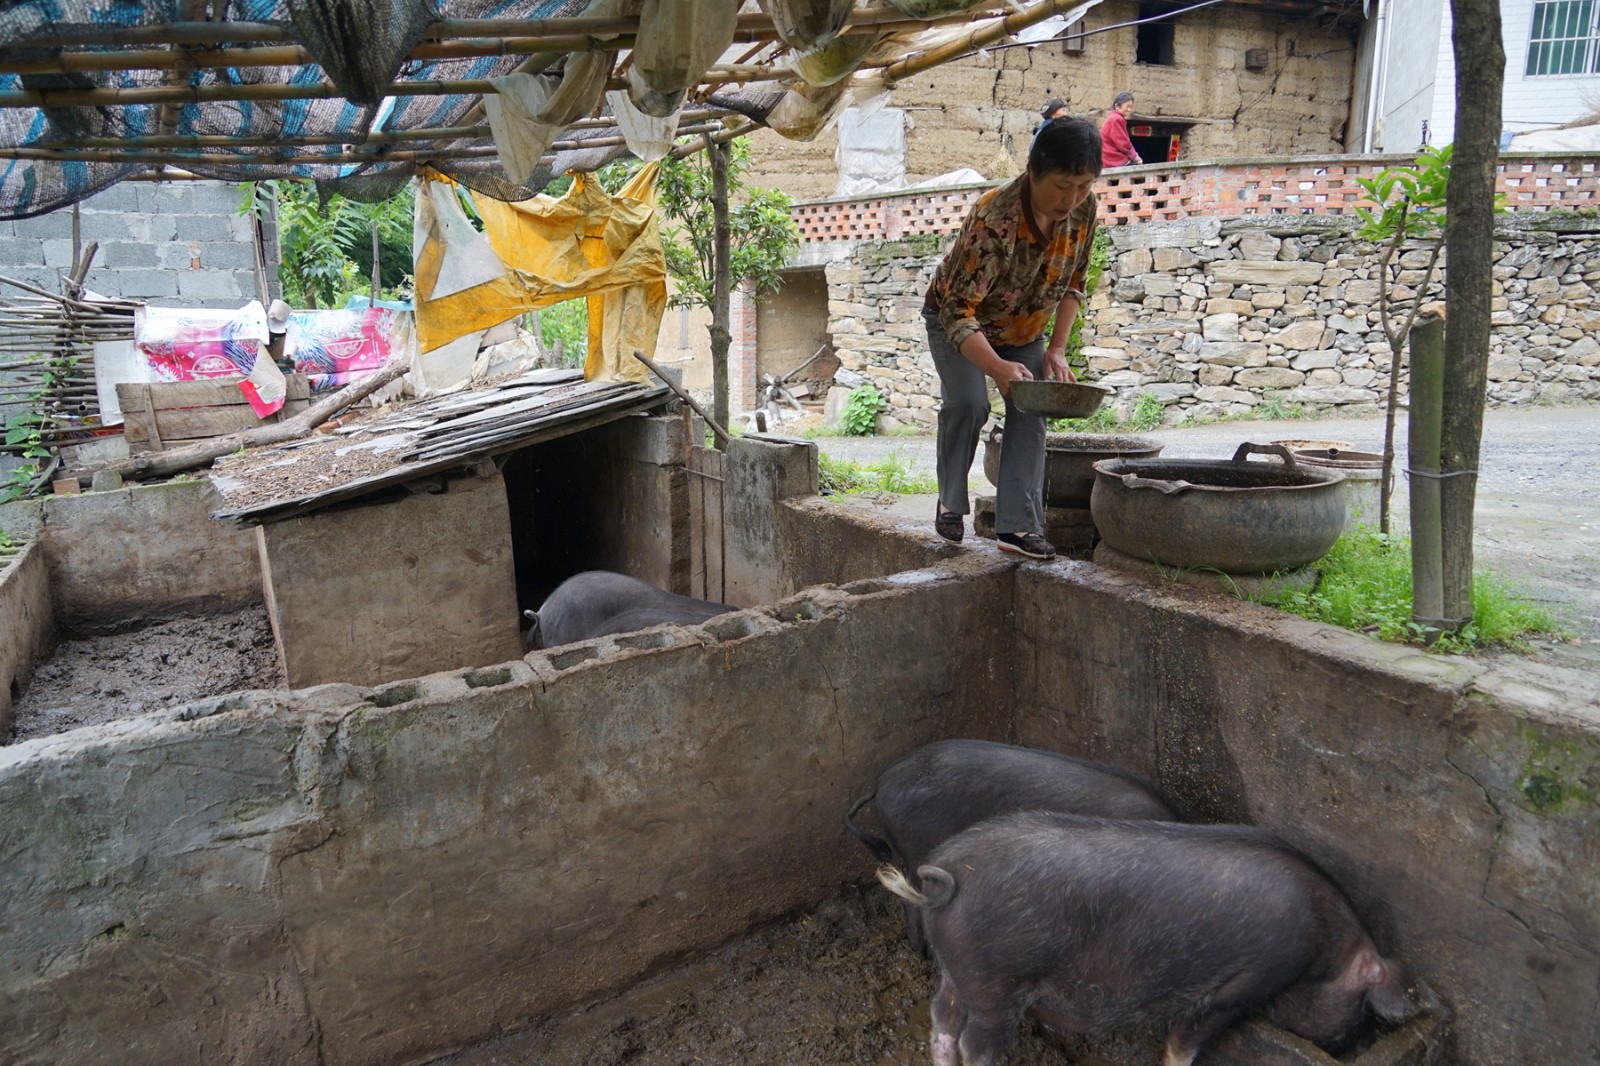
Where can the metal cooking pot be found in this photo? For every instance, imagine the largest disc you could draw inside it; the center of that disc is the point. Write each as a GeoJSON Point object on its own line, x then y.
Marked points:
{"type": "Point", "coordinates": [1069, 460]}
{"type": "Point", "coordinates": [1230, 515]}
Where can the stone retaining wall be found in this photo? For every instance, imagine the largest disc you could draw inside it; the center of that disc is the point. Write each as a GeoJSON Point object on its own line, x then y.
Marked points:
{"type": "Point", "coordinates": [1217, 316]}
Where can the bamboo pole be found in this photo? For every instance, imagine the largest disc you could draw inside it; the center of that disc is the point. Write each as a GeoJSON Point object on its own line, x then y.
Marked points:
{"type": "Point", "coordinates": [1422, 447]}
{"type": "Point", "coordinates": [421, 155]}
{"type": "Point", "coordinates": [217, 93]}
{"type": "Point", "coordinates": [191, 34]}
{"type": "Point", "coordinates": [904, 68]}
{"type": "Point", "coordinates": [436, 133]}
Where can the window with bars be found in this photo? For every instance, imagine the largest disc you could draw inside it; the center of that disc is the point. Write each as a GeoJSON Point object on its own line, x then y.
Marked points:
{"type": "Point", "coordinates": [1565, 38]}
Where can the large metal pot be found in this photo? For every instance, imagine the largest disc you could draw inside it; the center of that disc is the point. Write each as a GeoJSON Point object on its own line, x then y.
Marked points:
{"type": "Point", "coordinates": [1069, 460]}
{"type": "Point", "coordinates": [1230, 515]}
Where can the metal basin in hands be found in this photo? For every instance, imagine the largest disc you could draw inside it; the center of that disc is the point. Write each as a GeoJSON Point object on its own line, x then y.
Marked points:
{"type": "Point", "coordinates": [1230, 515]}
{"type": "Point", "coordinates": [1057, 399]}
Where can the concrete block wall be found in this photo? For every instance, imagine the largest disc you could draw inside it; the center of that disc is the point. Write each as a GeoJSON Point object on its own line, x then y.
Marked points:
{"type": "Point", "coordinates": [172, 244]}
{"type": "Point", "coordinates": [27, 624]}
{"type": "Point", "coordinates": [1453, 799]}
{"type": "Point", "coordinates": [602, 808]}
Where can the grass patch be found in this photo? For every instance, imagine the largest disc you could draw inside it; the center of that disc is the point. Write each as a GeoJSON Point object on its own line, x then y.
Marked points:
{"type": "Point", "coordinates": [842, 477]}
{"type": "Point", "coordinates": [1275, 408]}
{"type": "Point", "coordinates": [1366, 586]}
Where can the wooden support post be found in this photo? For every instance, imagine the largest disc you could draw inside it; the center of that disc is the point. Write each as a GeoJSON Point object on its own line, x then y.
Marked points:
{"type": "Point", "coordinates": [718, 154]}
{"type": "Point", "coordinates": [1422, 449]}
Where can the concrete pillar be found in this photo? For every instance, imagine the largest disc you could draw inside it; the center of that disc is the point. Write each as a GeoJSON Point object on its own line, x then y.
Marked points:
{"type": "Point", "coordinates": [761, 471]}
{"type": "Point", "coordinates": [394, 590]}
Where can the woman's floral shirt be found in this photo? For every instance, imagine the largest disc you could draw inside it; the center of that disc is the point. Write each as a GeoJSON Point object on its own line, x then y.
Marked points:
{"type": "Point", "coordinates": [1001, 278]}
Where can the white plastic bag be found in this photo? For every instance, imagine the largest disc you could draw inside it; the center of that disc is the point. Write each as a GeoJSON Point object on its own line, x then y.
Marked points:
{"type": "Point", "coordinates": [648, 137]}
{"type": "Point", "coordinates": [679, 40]}
{"type": "Point", "coordinates": [807, 24]}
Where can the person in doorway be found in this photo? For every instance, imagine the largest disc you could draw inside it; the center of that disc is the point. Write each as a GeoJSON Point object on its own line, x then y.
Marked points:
{"type": "Point", "coordinates": [1022, 253]}
{"type": "Point", "coordinates": [1117, 150]}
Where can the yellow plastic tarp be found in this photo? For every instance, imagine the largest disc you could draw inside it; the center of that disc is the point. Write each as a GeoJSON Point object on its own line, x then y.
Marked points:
{"type": "Point", "coordinates": [585, 243]}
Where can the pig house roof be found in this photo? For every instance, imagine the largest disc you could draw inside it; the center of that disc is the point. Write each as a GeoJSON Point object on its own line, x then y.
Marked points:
{"type": "Point", "coordinates": [420, 439]}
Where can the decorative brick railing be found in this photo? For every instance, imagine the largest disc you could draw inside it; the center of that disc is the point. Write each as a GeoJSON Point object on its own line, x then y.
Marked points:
{"type": "Point", "coordinates": [1322, 185]}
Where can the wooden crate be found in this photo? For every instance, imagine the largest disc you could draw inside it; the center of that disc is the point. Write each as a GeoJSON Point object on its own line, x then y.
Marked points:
{"type": "Point", "coordinates": [172, 413]}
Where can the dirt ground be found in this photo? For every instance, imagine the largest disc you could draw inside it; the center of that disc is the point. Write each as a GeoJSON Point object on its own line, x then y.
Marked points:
{"type": "Point", "coordinates": [835, 986]}
{"type": "Point", "coordinates": [89, 680]}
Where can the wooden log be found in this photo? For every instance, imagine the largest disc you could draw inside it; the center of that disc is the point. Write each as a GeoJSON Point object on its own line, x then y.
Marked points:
{"type": "Point", "coordinates": [176, 461]}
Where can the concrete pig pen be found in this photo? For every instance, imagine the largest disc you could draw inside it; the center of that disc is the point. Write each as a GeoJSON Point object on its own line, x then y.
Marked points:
{"type": "Point", "coordinates": [349, 874]}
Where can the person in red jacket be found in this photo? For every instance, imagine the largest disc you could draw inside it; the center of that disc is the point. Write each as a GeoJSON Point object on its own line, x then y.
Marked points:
{"type": "Point", "coordinates": [1116, 148]}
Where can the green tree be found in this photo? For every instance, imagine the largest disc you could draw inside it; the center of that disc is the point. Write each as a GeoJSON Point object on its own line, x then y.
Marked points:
{"type": "Point", "coordinates": [1409, 205]}
{"type": "Point", "coordinates": [760, 237]}
{"type": "Point", "coordinates": [327, 246]}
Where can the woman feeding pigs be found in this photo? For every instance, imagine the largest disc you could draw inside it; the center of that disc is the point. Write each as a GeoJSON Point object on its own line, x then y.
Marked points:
{"type": "Point", "coordinates": [1022, 253]}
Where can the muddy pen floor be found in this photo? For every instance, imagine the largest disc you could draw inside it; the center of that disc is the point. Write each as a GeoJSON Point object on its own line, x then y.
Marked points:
{"type": "Point", "coordinates": [94, 679]}
{"type": "Point", "coordinates": [838, 986]}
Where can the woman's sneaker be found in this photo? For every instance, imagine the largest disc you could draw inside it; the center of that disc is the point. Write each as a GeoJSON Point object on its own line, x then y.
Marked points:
{"type": "Point", "coordinates": [1030, 544]}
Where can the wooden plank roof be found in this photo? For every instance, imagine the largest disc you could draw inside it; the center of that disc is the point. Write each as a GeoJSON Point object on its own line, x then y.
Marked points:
{"type": "Point", "coordinates": [417, 440]}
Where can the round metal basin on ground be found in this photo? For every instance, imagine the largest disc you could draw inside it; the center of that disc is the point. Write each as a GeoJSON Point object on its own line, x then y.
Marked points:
{"type": "Point", "coordinates": [1231, 515]}
{"type": "Point", "coordinates": [1069, 460]}
{"type": "Point", "coordinates": [1363, 478]}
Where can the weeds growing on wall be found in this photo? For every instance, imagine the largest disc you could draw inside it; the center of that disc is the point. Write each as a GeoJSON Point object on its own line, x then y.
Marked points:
{"type": "Point", "coordinates": [860, 415]}
{"type": "Point", "coordinates": [1366, 586]}
{"type": "Point", "coordinates": [838, 477]}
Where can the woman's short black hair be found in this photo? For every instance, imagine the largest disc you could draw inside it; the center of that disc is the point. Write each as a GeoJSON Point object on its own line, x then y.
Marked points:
{"type": "Point", "coordinates": [1051, 106]}
{"type": "Point", "coordinates": [1123, 97]}
{"type": "Point", "coordinates": [1068, 144]}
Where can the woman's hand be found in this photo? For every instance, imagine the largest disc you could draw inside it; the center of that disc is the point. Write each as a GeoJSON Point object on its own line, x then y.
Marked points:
{"type": "Point", "coordinates": [1005, 372]}
{"type": "Point", "coordinates": [1055, 366]}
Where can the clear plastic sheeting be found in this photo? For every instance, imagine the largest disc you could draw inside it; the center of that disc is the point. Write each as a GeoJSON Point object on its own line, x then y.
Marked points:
{"type": "Point", "coordinates": [530, 110]}
{"type": "Point", "coordinates": [836, 60]}
{"type": "Point", "coordinates": [871, 156]}
{"type": "Point", "coordinates": [806, 111]}
{"type": "Point", "coordinates": [679, 40]}
{"type": "Point", "coordinates": [648, 137]}
{"type": "Point", "coordinates": [807, 24]}
{"type": "Point", "coordinates": [267, 128]}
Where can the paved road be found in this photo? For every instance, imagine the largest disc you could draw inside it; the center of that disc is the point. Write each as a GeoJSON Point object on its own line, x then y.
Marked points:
{"type": "Point", "coordinates": [1538, 505]}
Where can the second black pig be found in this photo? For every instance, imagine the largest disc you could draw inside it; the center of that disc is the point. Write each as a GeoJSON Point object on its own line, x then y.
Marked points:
{"type": "Point", "coordinates": [1096, 925]}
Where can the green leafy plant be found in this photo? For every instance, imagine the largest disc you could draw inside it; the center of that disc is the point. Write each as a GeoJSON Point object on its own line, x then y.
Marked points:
{"type": "Point", "coordinates": [1099, 256]}
{"type": "Point", "coordinates": [17, 482]}
{"type": "Point", "coordinates": [762, 233]}
{"type": "Point", "coordinates": [327, 245]}
{"type": "Point", "coordinates": [1103, 420]}
{"type": "Point", "coordinates": [1277, 408]}
{"type": "Point", "coordinates": [839, 477]}
{"type": "Point", "coordinates": [1147, 412]}
{"type": "Point", "coordinates": [1366, 585]}
{"type": "Point", "coordinates": [860, 415]}
{"type": "Point", "coordinates": [567, 322]}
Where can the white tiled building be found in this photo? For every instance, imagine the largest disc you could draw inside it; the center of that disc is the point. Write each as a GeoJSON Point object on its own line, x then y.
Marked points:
{"type": "Point", "coordinates": [1406, 72]}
